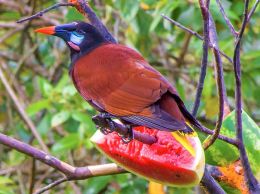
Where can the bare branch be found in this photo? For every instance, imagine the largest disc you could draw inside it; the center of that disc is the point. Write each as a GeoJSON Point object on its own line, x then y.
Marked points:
{"type": "Point", "coordinates": [204, 62]}
{"type": "Point", "coordinates": [71, 172]}
{"type": "Point", "coordinates": [220, 85]}
{"type": "Point", "coordinates": [221, 137]}
{"type": "Point", "coordinates": [210, 185]}
{"type": "Point", "coordinates": [252, 10]}
{"type": "Point", "coordinates": [55, 183]}
{"type": "Point", "coordinates": [233, 175]}
{"type": "Point", "coordinates": [39, 14]}
{"type": "Point", "coordinates": [32, 176]}
{"type": "Point", "coordinates": [251, 180]}
{"type": "Point", "coordinates": [195, 34]}
{"type": "Point", "coordinates": [228, 22]}
{"type": "Point", "coordinates": [222, 94]}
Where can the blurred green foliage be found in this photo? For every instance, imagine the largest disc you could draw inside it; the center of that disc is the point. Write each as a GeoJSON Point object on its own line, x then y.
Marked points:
{"type": "Point", "coordinates": [36, 67]}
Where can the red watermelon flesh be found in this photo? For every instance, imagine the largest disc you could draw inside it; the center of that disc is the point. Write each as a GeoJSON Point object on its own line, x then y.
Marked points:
{"type": "Point", "coordinates": [175, 159]}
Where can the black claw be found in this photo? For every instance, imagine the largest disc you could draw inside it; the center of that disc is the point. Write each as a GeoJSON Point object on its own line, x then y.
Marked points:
{"type": "Point", "coordinates": [105, 131]}
{"type": "Point", "coordinates": [129, 136]}
{"type": "Point", "coordinates": [104, 123]}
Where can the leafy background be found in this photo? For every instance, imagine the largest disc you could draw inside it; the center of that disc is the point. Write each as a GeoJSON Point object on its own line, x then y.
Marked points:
{"type": "Point", "coordinates": [36, 67]}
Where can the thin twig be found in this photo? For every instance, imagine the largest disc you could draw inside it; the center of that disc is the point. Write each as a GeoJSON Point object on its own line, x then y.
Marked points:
{"type": "Point", "coordinates": [39, 14]}
{"type": "Point", "coordinates": [195, 34]}
{"type": "Point", "coordinates": [32, 176]}
{"type": "Point", "coordinates": [228, 22]}
{"type": "Point", "coordinates": [251, 180]}
{"type": "Point", "coordinates": [210, 185]}
{"type": "Point", "coordinates": [21, 110]}
{"type": "Point", "coordinates": [232, 175]}
{"type": "Point", "coordinates": [252, 10]}
{"type": "Point", "coordinates": [220, 84]}
{"type": "Point", "coordinates": [222, 95]}
{"type": "Point", "coordinates": [55, 183]}
{"type": "Point", "coordinates": [71, 172]}
{"type": "Point", "coordinates": [182, 27]}
{"type": "Point", "coordinates": [221, 137]}
{"type": "Point", "coordinates": [204, 62]}
{"type": "Point", "coordinates": [214, 40]}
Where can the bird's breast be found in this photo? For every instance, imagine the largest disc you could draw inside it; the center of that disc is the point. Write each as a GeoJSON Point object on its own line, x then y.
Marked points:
{"type": "Point", "coordinates": [99, 73]}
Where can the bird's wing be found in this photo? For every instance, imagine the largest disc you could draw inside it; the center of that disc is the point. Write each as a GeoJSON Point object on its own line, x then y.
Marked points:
{"type": "Point", "coordinates": [137, 101]}
{"type": "Point", "coordinates": [119, 81]}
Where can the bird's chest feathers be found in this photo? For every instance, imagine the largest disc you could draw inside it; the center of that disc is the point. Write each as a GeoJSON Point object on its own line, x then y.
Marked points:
{"type": "Point", "coordinates": [95, 79]}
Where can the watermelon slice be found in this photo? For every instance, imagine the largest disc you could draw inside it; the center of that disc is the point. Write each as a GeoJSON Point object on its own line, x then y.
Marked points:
{"type": "Point", "coordinates": [175, 159]}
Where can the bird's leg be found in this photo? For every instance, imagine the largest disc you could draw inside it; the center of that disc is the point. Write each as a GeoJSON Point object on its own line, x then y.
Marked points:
{"type": "Point", "coordinates": [129, 136]}
{"type": "Point", "coordinates": [104, 123]}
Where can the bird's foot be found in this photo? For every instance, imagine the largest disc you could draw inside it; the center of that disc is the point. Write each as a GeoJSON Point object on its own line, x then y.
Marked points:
{"type": "Point", "coordinates": [104, 123]}
{"type": "Point", "coordinates": [129, 136]}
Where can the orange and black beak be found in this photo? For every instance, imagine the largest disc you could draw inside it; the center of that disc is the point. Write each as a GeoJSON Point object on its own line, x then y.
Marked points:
{"type": "Point", "coordinates": [46, 30]}
{"type": "Point", "coordinates": [67, 32]}
{"type": "Point", "coordinates": [62, 31]}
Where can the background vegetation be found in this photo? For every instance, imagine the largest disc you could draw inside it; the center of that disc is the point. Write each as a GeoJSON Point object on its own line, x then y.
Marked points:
{"type": "Point", "coordinates": [36, 68]}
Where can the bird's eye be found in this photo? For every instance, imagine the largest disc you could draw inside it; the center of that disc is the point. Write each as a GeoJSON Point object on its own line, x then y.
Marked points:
{"type": "Point", "coordinates": [76, 38]}
{"type": "Point", "coordinates": [81, 32]}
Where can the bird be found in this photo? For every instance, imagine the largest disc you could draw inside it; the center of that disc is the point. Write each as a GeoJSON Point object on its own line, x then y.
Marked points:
{"type": "Point", "coordinates": [119, 83]}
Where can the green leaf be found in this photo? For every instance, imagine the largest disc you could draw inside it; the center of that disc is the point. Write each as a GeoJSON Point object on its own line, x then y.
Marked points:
{"type": "Point", "coordinates": [85, 119]}
{"type": "Point", "coordinates": [170, 6]}
{"type": "Point", "coordinates": [5, 180]}
{"type": "Point", "coordinates": [69, 142]}
{"type": "Point", "coordinates": [5, 190]}
{"type": "Point", "coordinates": [45, 86]}
{"type": "Point", "coordinates": [69, 90]}
{"type": "Point", "coordinates": [129, 9]}
{"type": "Point", "coordinates": [173, 190]}
{"type": "Point", "coordinates": [60, 118]}
{"type": "Point", "coordinates": [73, 15]}
{"type": "Point", "coordinates": [191, 17]}
{"type": "Point", "coordinates": [222, 153]}
{"type": "Point", "coordinates": [37, 106]}
{"type": "Point", "coordinates": [45, 124]}
{"type": "Point", "coordinates": [97, 184]}
{"type": "Point", "coordinates": [15, 158]}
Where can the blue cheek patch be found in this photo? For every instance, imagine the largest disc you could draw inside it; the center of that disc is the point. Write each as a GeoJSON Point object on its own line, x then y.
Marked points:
{"type": "Point", "coordinates": [76, 38]}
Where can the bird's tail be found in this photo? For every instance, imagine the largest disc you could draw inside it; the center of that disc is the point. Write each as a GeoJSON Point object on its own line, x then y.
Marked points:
{"type": "Point", "coordinates": [188, 116]}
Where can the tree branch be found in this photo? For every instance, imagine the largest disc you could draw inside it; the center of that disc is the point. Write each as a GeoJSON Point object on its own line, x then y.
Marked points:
{"type": "Point", "coordinates": [251, 180]}
{"type": "Point", "coordinates": [228, 22]}
{"type": "Point", "coordinates": [50, 186]}
{"type": "Point", "coordinates": [222, 94]}
{"type": "Point", "coordinates": [210, 185]}
{"type": "Point", "coordinates": [40, 14]}
{"type": "Point", "coordinates": [71, 172]}
{"type": "Point", "coordinates": [204, 62]}
{"type": "Point", "coordinates": [233, 175]}
{"type": "Point", "coordinates": [195, 34]}
{"type": "Point", "coordinates": [252, 10]}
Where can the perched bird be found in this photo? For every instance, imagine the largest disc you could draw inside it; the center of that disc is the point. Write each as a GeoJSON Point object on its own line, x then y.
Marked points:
{"type": "Point", "coordinates": [118, 81]}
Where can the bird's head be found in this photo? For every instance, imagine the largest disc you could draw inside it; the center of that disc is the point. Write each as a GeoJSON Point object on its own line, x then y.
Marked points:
{"type": "Point", "coordinates": [80, 37]}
